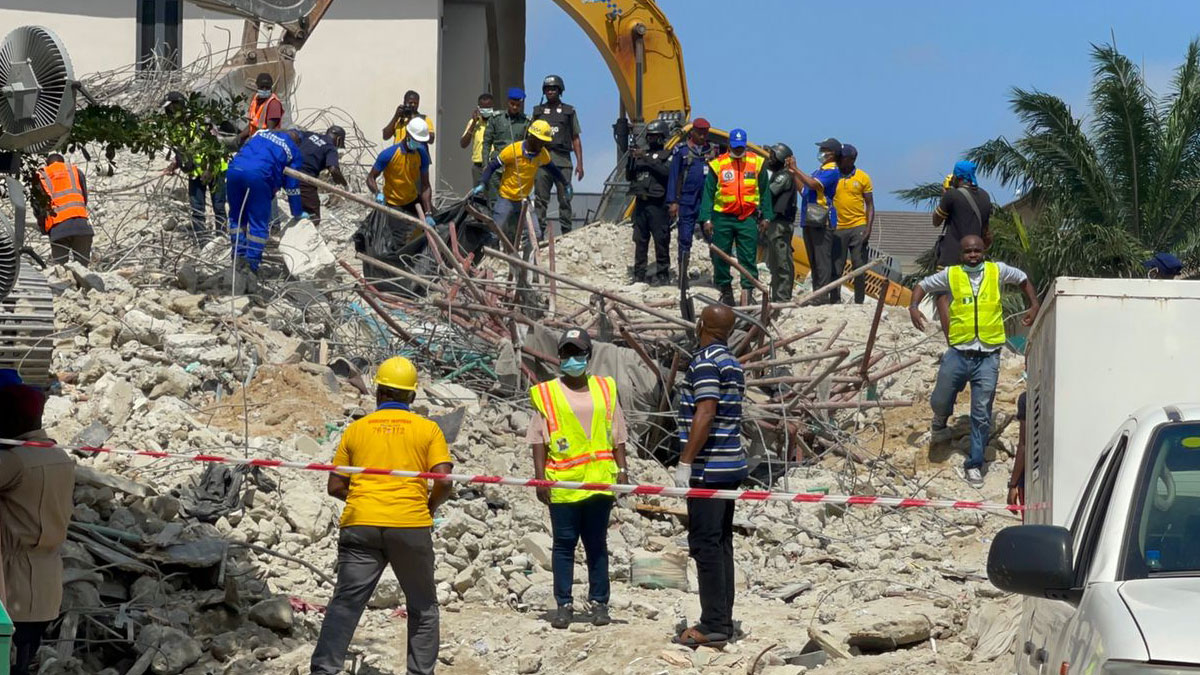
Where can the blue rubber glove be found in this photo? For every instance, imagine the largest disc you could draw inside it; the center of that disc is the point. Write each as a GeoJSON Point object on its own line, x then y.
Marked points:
{"type": "Point", "coordinates": [379, 197]}
{"type": "Point", "coordinates": [477, 189]}
{"type": "Point", "coordinates": [430, 221]}
{"type": "Point", "coordinates": [304, 215]}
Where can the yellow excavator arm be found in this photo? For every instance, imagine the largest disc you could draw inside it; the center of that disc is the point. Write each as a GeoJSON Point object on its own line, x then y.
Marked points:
{"type": "Point", "coordinates": [642, 52]}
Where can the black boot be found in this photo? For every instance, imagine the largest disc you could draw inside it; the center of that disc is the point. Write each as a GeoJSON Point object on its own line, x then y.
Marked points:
{"type": "Point", "coordinates": [727, 296]}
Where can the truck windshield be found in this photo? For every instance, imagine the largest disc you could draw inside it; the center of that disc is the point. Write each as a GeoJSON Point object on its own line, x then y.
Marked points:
{"type": "Point", "coordinates": [1164, 532]}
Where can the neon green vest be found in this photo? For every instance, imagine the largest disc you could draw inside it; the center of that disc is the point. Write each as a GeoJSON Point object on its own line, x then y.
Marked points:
{"type": "Point", "coordinates": [976, 316]}
{"type": "Point", "coordinates": [570, 454]}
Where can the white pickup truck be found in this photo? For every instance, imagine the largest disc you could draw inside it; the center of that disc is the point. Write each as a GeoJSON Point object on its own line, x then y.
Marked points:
{"type": "Point", "coordinates": [1109, 557]}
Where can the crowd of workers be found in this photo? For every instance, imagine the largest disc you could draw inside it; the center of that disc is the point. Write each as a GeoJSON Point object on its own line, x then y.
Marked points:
{"type": "Point", "coordinates": [733, 198]}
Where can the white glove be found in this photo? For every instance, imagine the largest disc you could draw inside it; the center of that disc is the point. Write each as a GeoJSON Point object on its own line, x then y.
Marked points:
{"type": "Point", "coordinates": [683, 475]}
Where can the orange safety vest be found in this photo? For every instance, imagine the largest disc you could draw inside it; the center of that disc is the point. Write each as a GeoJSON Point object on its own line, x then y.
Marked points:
{"type": "Point", "coordinates": [737, 184]}
{"type": "Point", "coordinates": [60, 181]}
{"type": "Point", "coordinates": [258, 112]}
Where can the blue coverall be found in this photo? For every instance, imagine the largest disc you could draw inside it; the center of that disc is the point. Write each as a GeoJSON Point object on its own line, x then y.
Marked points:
{"type": "Point", "coordinates": [687, 189]}
{"type": "Point", "coordinates": [255, 174]}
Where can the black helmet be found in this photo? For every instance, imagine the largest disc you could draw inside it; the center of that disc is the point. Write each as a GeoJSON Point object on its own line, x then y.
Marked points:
{"type": "Point", "coordinates": [780, 152]}
{"type": "Point", "coordinates": [338, 134]}
{"type": "Point", "coordinates": [174, 97]}
{"type": "Point", "coordinates": [658, 128]}
{"type": "Point", "coordinates": [554, 81]}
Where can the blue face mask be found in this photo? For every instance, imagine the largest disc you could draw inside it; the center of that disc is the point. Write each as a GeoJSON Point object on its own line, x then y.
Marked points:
{"type": "Point", "coordinates": [973, 268]}
{"type": "Point", "coordinates": [574, 366]}
{"type": "Point", "coordinates": [413, 144]}
{"type": "Point", "coordinates": [264, 93]}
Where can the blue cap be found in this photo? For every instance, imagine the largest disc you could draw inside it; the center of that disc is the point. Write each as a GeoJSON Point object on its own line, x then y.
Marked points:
{"type": "Point", "coordinates": [737, 138]}
{"type": "Point", "coordinates": [966, 171]}
{"type": "Point", "coordinates": [1166, 264]}
{"type": "Point", "coordinates": [9, 376]}
{"type": "Point", "coordinates": [849, 151]}
{"type": "Point", "coordinates": [516, 94]}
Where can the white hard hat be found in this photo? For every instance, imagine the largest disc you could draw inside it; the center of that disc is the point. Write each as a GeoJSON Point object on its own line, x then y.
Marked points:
{"type": "Point", "coordinates": [418, 129]}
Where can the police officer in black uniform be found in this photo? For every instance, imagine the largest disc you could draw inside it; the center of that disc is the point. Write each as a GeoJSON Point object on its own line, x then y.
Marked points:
{"type": "Point", "coordinates": [647, 171]}
{"type": "Point", "coordinates": [565, 125]}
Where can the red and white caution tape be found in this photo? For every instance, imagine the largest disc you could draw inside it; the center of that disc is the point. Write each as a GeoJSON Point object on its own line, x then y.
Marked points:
{"type": "Point", "coordinates": [649, 490]}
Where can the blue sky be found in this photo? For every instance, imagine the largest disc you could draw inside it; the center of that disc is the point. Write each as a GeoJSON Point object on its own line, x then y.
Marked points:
{"type": "Point", "coordinates": [911, 84]}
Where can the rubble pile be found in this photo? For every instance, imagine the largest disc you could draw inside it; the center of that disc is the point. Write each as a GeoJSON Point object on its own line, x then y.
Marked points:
{"type": "Point", "coordinates": [184, 567]}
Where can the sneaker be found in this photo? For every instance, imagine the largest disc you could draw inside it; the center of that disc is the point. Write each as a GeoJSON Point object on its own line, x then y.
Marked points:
{"type": "Point", "coordinates": [975, 477]}
{"type": "Point", "coordinates": [562, 617]}
{"type": "Point", "coordinates": [600, 614]}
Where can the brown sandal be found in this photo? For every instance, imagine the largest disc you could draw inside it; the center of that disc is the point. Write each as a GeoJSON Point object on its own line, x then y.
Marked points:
{"type": "Point", "coordinates": [692, 637]}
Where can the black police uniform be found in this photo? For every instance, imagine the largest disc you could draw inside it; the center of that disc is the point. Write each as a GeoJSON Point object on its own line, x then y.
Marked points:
{"type": "Point", "coordinates": [647, 176]}
{"type": "Point", "coordinates": [565, 126]}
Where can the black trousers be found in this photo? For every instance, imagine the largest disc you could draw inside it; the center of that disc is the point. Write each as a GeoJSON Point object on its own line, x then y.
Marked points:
{"type": "Point", "coordinates": [818, 244]}
{"type": "Point", "coordinates": [710, 543]}
{"type": "Point", "coordinates": [26, 640]}
{"type": "Point", "coordinates": [651, 220]}
{"type": "Point", "coordinates": [310, 200]}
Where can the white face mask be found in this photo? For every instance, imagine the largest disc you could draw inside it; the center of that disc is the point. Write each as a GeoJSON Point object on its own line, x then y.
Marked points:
{"type": "Point", "coordinates": [264, 93]}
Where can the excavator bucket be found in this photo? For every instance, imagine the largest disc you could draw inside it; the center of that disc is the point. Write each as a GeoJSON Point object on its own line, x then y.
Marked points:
{"type": "Point", "coordinates": [287, 13]}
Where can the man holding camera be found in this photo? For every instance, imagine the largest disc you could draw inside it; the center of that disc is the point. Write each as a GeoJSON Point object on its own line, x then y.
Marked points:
{"type": "Point", "coordinates": [395, 130]}
{"type": "Point", "coordinates": [473, 135]}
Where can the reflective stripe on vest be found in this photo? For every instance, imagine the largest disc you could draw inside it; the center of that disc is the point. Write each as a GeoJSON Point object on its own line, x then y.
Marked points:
{"type": "Point", "coordinates": [976, 315]}
{"type": "Point", "coordinates": [258, 112]}
{"type": "Point", "coordinates": [737, 184]}
{"type": "Point", "coordinates": [570, 454]}
{"type": "Point", "coordinates": [61, 183]}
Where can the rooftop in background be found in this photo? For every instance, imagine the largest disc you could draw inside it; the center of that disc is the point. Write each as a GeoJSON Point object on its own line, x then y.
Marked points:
{"type": "Point", "coordinates": [904, 235]}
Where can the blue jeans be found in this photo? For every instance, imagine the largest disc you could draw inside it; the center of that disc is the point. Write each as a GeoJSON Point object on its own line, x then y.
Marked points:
{"type": "Point", "coordinates": [586, 520]}
{"type": "Point", "coordinates": [981, 370]}
{"type": "Point", "coordinates": [199, 192]}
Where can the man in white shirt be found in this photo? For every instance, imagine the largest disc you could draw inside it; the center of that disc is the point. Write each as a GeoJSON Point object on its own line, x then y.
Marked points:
{"type": "Point", "coordinates": [976, 336]}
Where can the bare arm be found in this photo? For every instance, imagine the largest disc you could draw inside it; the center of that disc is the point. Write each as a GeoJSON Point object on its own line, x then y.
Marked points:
{"type": "Point", "coordinates": [577, 146]}
{"type": "Point", "coordinates": [389, 131]}
{"type": "Point", "coordinates": [706, 412]}
{"type": "Point", "coordinates": [869, 199]}
{"type": "Point", "coordinates": [539, 471]}
{"type": "Point", "coordinates": [426, 193]}
{"type": "Point", "coordinates": [465, 140]}
{"type": "Point", "coordinates": [338, 486]}
{"type": "Point", "coordinates": [914, 310]}
{"type": "Point", "coordinates": [441, 488]}
{"type": "Point", "coordinates": [1034, 306]}
{"type": "Point", "coordinates": [371, 184]}
{"type": "Point", "coordinates": [619, 456]}
{"type": "Point", "coordinates": [335, 173]}
{"type": "Point", "coordinates": [802, 179]}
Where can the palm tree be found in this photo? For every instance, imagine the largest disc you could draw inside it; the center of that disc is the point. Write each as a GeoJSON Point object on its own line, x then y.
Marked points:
{"type": "Point", "coordinates": [1116, 188]}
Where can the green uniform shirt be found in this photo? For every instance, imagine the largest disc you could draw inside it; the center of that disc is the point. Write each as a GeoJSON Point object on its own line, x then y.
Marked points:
{"type": "Point", "coordinates": [502, 131]}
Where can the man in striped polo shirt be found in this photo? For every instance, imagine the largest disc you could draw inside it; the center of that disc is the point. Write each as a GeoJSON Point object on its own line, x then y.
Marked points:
{"type": "Point", "coordinates": [709, 423]}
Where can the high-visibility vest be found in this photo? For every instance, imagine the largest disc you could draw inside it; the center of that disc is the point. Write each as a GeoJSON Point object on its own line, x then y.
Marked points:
{"type": "Point", "coordinates": [570, 454]}
{"type": "Point", "coordinates": [737, 184]}
{"type": "Point", "coordinates": [258, 112]}
{"type": "Point", "coordinates": [976, 315]}
{"type": "Point", "coordinates": [61, 183]}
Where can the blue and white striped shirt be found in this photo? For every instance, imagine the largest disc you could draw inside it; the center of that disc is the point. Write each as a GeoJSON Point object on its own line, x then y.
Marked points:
{"type": "Point", "coordinates": [715, 373]}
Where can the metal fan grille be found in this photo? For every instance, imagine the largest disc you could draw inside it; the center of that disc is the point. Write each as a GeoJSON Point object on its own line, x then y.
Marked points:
{"type": "Point", "coordinates": [33, 65]}
{"type": "Point", "coordinates": [284, 12]}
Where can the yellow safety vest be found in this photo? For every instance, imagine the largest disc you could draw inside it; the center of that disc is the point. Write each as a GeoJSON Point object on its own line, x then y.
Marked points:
{"type": "Point", "coordinates": [570, 454]}
{"type": "Point", "coordinates": [976, 316]}
{"type": "Point", "coordinates": [737, 184]}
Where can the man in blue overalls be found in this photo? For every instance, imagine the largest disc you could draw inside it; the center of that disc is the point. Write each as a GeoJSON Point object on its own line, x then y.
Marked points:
{"type": "Point", "coordinates": [685, 185]}
{"type": "Point", "coordinates": [255, 174]}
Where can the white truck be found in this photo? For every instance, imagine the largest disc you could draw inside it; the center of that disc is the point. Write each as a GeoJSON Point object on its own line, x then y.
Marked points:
{"type": "Point", "coordinates": [1109, 555]}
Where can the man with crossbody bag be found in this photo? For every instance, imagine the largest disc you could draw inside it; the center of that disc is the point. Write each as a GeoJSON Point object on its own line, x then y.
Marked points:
{"type": "Point", "coordinates": [964, 209]}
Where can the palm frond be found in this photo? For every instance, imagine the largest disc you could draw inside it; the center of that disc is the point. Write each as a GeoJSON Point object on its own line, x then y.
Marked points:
{"type": "Point", "coordinates": [923, 194]}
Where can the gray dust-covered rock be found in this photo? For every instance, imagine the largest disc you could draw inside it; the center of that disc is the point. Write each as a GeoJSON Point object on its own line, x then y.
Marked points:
{"type": "Point", "coordinates": [173, 649]}
{"type": "Point", "coordinates": [273, 613]}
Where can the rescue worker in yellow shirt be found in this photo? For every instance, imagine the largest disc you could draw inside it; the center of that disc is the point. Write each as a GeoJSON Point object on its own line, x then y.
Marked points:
{"type": "Point", "coordinates": [387, 520]}
{"type": "Point", "coordinates": [854, 202]}
{"type": "Point", "coordinates": [736, 206]}
{"type": "Point", "coordinates": [520, 163]}
{"type": "Point", "coordinates": [578, 435]}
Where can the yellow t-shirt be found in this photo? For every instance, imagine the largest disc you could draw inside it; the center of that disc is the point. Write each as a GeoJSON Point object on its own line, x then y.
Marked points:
{"type": "Point", "coordinates": [398, 440]}
{"type": "Point", "coordinates": [477, 140]}
{"type": "Point", "coordinates": [402, 132]}
{"type": "Point", "coordinates": [520, 170]}
{"type": "Point", "coordinates": [850, 200]}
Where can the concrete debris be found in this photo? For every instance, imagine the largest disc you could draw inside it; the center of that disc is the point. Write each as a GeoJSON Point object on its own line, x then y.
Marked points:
{"type": "Point", "coordinates": [148, 365]}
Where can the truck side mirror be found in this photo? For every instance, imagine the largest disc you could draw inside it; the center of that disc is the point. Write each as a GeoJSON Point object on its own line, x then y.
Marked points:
{"type": "Point", "coordinates": [1033, 560]}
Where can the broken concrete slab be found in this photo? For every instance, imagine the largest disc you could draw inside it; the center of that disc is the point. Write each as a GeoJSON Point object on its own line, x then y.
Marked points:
{"type": "Point", "coordinates": [86, 475]}
{"type": "Point", "coordinates": [173, 649]}
{"type": "Point", "coordinates": [890, 633]}
{"type": "Point", "coordinates": [304, 252]}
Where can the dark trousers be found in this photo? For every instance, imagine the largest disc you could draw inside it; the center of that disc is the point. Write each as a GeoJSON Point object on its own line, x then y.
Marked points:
{"type": "Point", "coordinates": [77, 248]}
{"type": "Point", "coordinates": [26, 640]}
{"type": "Point", "coordinates": [778, 242]}
{"type": "Point", "coordinates": [200, 192]}
{"type": "Point", "coordinates": [310, 201]}
{"type": "Point", "coordinates": [541, 193]}
{"type": "Point", "coordinates": [818, 244]}
{"type": "Point", "coordinates": [586, 520]}
{"type": "Point", "coordinates": [850, 243]}
{"type": "Point", "coordinates": [710, 543]}
{"type": "Point", "coordinates": [363, 553]}
{"type": "Point", "coordinates": [651, 220]}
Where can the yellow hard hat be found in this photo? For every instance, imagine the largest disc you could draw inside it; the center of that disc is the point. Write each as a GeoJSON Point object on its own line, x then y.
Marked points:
{"type": "Point", "coordinates": [397, 373]}
{"type": "Point", "coordinates": [541, 129]}
{"type": "Point", "coordinates": [946, 183]}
